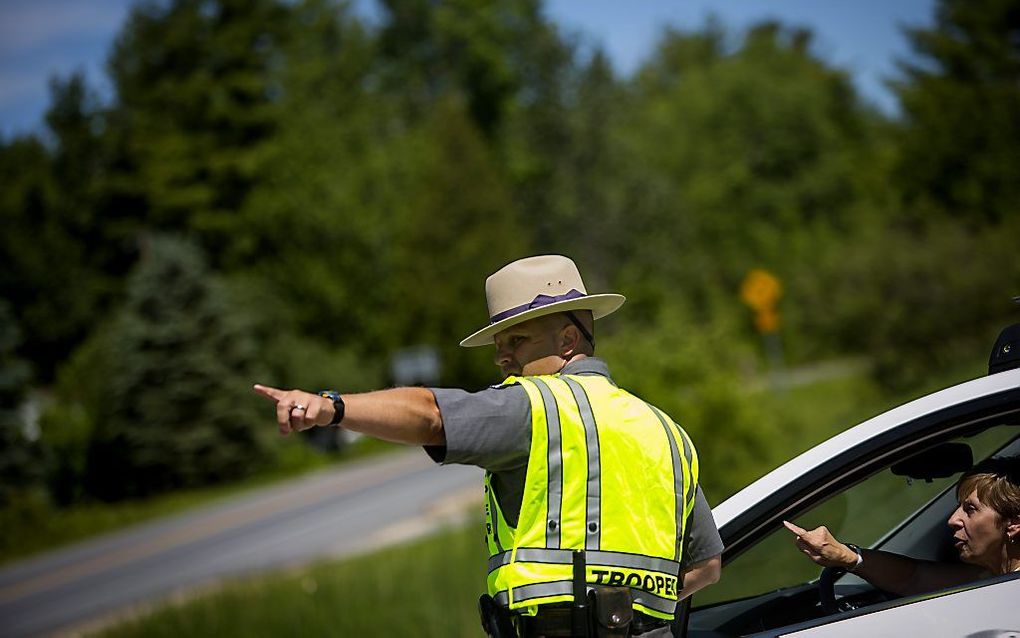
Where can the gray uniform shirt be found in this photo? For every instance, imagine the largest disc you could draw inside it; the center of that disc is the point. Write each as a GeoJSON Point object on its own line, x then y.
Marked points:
{"type": "Point", "coordinates": [492, 429]}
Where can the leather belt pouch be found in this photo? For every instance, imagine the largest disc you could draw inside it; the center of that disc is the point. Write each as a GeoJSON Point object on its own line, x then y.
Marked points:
{"type": "Point", "coordinates": [613, 612]}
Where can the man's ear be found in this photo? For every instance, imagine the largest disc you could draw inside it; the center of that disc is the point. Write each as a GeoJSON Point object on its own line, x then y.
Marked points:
{"type": "Point", "coordinates": [569, 339]}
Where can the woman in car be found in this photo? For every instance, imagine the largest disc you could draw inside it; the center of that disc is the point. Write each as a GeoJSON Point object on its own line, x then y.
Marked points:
{"type": "Point", "coordinates": [986, 533]}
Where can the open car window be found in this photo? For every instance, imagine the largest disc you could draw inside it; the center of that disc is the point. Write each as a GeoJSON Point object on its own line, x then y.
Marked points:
{"type": "Point", "coordinates": [772, 585]}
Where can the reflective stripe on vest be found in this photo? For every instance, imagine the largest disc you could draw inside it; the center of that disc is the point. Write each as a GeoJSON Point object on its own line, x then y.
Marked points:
{"type": "Point", "coordinates": [594, 486]}
{"type": "Point", "coordinates": [607, 473]}
{"type": "Point", "coordinates": [554, 463]}
{"type": "Point", "coordinates": [681, 473]}
{"type": "Point", "coordinates": [593, 558]}
{"type": "Point", "coordinates": [646, 601]}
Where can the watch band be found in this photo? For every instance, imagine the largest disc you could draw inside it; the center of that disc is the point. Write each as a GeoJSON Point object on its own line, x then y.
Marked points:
{"type": "Point", "coordinates": [860, 557]}
{"type": "Point", "coordinates": [338, 405]}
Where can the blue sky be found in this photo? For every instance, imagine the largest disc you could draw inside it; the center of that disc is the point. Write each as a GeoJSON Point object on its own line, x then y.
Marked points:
{"type": "Point", "coordinates": [40, 38]}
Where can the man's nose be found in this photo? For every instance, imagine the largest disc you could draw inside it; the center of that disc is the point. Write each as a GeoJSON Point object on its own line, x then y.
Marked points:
{"type": "Point", "coordinates": [502, 356]}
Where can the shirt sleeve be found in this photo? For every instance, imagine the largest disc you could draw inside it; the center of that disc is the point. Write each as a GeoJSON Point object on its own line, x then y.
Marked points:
{"type": "Point", "coordinates": [703, 540]}
{"type": "Point", "coordinates": [490, 428]}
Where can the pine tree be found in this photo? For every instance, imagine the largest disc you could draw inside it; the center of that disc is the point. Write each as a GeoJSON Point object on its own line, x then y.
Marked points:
{"type": "Point", "coordinates": [753, 151]}
{"type": "Point", "coordinates": [20, 458]}
{"type": "Point", "coordinates": [960, 104]}
{"type": "Point", "coordinates": [197, 93]}
{"type": "Point", "coordinates": [175, 408]}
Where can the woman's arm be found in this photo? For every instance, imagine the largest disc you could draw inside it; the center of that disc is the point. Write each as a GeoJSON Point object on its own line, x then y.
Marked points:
{"type": "Point", "coordinates": [894, 573]}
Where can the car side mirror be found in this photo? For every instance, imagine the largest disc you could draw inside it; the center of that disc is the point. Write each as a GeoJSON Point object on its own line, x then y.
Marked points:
{"type": "Point", "coordinates": [1006, 352]}
{"type": "Point", "coordinates": [942, 461]}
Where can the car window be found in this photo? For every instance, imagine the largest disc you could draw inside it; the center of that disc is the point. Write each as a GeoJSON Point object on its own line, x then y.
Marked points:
{"type": "Point", "coordinates": [863, 514]}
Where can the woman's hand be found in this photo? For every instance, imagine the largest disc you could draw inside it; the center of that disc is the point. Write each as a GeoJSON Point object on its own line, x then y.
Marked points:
{"type": "Point", "coordinates": [820, 546]}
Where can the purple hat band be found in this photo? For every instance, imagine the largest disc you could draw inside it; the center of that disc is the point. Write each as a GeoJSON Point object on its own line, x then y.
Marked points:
{"type": "Point", "coordinates": [537, 302]}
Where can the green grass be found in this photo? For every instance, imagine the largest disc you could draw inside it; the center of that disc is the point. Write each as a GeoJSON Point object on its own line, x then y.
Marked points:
{"type": "Point", "coordinates": [31, 525]}
{"type": "Point", "coordinates": [425, 588]}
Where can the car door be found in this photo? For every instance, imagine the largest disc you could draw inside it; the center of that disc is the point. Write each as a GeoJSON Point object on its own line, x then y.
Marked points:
{"type": "Point", "coordinates": [986, 609]}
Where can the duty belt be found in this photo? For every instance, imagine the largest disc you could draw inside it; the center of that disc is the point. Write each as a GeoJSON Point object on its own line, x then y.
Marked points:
{"type": "Point", "coordinates": [555, 622]}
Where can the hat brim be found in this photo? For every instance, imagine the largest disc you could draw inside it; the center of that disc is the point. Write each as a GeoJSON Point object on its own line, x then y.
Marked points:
{"type": "Point", "coordinates": [600, 306]}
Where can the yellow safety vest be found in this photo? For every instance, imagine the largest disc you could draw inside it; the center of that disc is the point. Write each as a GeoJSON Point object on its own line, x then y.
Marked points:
{"type": "Point", "coordinates": [607, 473]}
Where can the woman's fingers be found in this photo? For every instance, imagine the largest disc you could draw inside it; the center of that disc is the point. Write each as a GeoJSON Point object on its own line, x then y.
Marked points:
{"type": "Point", "coordinates": [799, 531]}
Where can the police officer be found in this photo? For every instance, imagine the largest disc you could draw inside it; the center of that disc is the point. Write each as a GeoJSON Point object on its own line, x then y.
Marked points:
{"type": "Point", "coordinates": [575, 465]}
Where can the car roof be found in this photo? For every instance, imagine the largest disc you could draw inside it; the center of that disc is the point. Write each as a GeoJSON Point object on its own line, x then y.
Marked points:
{"type": "Point", "coordinates": [880, 425]}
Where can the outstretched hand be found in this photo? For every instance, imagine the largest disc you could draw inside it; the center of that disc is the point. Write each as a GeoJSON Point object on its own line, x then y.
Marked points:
{"type": "Point", "coordinates": [821, 547]}
{"type": "Point", "coordinates": [297, 410]}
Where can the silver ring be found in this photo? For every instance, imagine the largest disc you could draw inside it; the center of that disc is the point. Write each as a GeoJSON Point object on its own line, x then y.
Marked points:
{"type": "Point", "coordinates": [297, 406]}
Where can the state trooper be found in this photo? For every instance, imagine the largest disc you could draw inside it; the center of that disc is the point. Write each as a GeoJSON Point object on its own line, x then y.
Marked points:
{"type": "Point", "coordinates": [594, 519]}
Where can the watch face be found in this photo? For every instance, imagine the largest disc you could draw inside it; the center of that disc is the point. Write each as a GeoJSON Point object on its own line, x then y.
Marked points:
{"type": "Point", "coordinates": [338, 405]}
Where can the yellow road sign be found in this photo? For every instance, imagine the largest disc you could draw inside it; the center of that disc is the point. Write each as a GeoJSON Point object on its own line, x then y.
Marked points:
{"type": "Point", "coordinates": [761, 290]}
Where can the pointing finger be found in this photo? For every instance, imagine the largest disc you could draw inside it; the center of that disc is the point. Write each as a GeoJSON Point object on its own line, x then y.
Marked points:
{"type": "Point", "coordinates": [799, 531]}
{"type": "Point", "coordinates": [269, 392]}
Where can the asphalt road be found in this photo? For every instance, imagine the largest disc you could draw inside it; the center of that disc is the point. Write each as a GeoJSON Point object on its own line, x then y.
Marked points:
{"type": "Point", "coordinates": [339, 512]}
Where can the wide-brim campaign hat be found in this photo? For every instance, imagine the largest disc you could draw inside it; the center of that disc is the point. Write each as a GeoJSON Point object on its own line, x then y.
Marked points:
{"type": "Point", "coordinates": [534, 287]}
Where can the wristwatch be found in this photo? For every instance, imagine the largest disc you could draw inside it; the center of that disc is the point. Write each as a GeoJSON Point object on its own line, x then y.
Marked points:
{"type": "Point", "coordinates": [338, 405]}
{"type": "Point", "coordinates": [860, 557]}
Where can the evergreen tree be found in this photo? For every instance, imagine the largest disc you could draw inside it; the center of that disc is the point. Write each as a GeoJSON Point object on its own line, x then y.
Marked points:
{"type": "Point", "coordinates": [366, 204]}
{"type": "Point", "coordinates": [927, 287]}
{"type": "Point", "coordinates": [21, 467]}
{"type": "Point", "coordinates": [65, 254]}
{"type": "Point", "coordinates": [197, 88]}
{"type": "Point", "coordinates": [475, 48]}
{"type": "Point", "coordinates": [457, 223]}
{"type": "Point", "coordinates": [174, 407]}
{"type": "Point", "coordinates": [753, 150]}
{"type": "Point", "coordinates": [960, 104]}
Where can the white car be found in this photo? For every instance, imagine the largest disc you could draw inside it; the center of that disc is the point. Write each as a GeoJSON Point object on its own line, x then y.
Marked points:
{"type": "Point", "coordinates": [888, 484]}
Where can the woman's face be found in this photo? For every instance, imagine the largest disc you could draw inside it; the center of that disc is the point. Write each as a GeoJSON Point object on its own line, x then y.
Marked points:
{"type": "Point", "coordinates": [978, 533]}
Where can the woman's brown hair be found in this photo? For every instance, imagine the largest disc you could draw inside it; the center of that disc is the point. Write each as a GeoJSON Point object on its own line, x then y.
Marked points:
{"type": "Point", "coordinates": [997, 482]}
